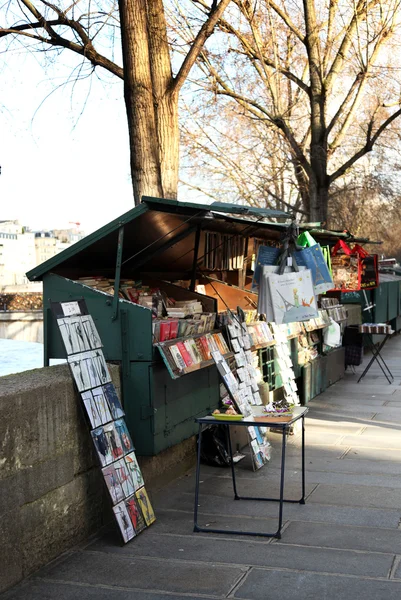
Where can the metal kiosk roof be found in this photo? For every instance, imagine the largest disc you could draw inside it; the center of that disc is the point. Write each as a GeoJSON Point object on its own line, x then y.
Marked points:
{"type": "Point", "coordinates": [160, 235]}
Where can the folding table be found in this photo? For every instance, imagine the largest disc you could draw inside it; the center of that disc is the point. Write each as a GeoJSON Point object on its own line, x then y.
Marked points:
{"type": "Point", "coordinates": [376, 349]}
{"type": "Point", "coordinates": [283, 423]}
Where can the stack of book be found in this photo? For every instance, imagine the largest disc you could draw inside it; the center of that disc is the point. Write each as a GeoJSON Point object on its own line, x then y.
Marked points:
{"type": "Point", "coordinates": [171, 329]}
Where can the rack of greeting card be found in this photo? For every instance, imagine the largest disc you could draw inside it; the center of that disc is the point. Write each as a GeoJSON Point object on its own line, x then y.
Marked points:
{"type": "Point", "coordinates": [105, 415]}
{"type": "Point", "coordinates": [241, 392]}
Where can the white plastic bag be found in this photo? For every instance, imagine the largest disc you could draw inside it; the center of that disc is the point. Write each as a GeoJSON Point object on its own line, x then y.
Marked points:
{"type": "Point", "coordinates": [332, 334]}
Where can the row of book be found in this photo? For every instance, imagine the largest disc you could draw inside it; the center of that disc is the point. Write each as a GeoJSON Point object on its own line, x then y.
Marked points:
{"type": "Point", "coordinates": [193, 351]}
{"type": "Point", "coordinates": [171, 329]}
{"type": "Point", "coordinates": [223, 252]}
{"type": "Point", "coordinates": [338, 313]}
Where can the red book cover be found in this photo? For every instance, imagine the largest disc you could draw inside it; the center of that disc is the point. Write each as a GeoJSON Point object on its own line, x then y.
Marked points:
{"type": "Point", "coordinates": [173, 329]}
{"type": "Point", "coordinates": [201, 349]}
{"type": "Point", "coordinates": [164, 331]}
{"type": "Point", "coordinates": [205, 347]}
{"type": "Point", "coordinates": [185, 354]}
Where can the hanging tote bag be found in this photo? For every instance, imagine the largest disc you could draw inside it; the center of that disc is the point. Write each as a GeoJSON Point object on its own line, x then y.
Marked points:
{"type": "Point", "coordinates": [292, 296]}
{"type": "Point", "coordinates": [369, 268]}
{"type": "Point", "coordinates": [346, 268]}
{"type": "Point", "coordinates": [312, 258]}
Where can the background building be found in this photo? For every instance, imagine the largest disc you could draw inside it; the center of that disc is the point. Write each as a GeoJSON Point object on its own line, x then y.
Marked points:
{"type": "Point", "coordinates": [22, 249]}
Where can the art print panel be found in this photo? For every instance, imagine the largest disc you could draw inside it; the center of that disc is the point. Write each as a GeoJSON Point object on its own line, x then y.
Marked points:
{"type": "Point", "coordinates": [135, 514]}
{"type": "Point", "coordinates": [91, 332]}
{"type": "Point", "coordinates": [113, 441]}
{"type": "Point", "coordinates": [124, 521]}
{"type": "Point", "coordinates": [113, 401]}
{"type": "Point", "coordinates": [102, 405]}
{"type": "Point", "coordinates": [102, 445]}
{"type": "Point", "coordinates": [91, 409]}
{"type": "Point", "coordinates": [145, 506]}
{"type": "Point", "coordinates": [101, 367]}
{"type": "Point", "coordinates": [80, 372]}
{"type": "Point", "coordinates": [112, 480]}
{"type": "Point", "coordinates": [124, 436]}
{"type": "Point", "coordinates": [124, 477]}
{"type": "Point", "coordinates": [134, 470]}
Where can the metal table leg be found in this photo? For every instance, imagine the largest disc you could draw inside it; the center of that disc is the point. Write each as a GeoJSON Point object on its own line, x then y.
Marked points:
{"type": "Point", "coordinates": [302, 501]}
{"type": "Point", "coordinates": [231, 462]}
{"type": "Point", "coordinates": [281, 499]}
{"type": "Point", "coordinates": [375, 357]}
{"type": "Point", "coordinates": [196, 528]}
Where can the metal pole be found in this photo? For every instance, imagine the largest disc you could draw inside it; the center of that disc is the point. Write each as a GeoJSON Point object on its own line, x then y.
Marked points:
{"type": "Point", "coordinates": [117, 276]}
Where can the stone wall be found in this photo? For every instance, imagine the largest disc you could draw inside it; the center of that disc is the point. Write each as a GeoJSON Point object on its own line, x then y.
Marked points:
{"type": "Point", "coordinates": [51, 491]}
{"type": "Point", "coordinates": [52, 494]}
{"type": "Point", "coordinates": [22, 326]}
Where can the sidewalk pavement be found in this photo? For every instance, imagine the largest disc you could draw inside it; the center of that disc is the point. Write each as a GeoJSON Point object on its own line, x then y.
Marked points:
{"type": "Point", "coordinates": [344, 543]}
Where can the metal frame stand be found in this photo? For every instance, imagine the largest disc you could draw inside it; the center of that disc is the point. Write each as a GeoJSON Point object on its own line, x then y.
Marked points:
{"type": "Point", "coordinates": [281, 499]}
{"type": "Point", "coordinates": [376, 356]}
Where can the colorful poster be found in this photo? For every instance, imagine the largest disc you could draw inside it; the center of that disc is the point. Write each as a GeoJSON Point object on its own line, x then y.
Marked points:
{"type": "Point", "coordinates": [134, 471]}
{"type": "Point", "coordinates": [124, 521]}
{"type": "Point", "coordinates": [293, 297]}
{"type": "Point", "coordinates": [145, 506]}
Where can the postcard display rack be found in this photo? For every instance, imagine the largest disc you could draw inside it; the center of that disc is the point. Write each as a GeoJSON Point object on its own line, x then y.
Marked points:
{"type": "Point", "coordinates": [114, 448]}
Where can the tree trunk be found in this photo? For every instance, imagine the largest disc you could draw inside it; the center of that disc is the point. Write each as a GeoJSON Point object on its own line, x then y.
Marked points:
{"type": "Point", "coordinates": [319, 198]}
{"type": "Point", "coordinates": [152, 110]}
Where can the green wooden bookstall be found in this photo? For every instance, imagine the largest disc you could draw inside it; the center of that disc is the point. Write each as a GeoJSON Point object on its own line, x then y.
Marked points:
{"type": "Point", "coordinates": [159, 241]}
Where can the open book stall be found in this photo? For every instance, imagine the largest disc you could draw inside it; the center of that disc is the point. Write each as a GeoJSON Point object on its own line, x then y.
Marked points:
{"type": "Point", "coordinates": [175, 288]}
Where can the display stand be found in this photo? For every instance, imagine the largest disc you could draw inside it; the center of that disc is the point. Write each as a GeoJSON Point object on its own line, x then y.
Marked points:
{"type": "Point", "coordinates": [283, 423]}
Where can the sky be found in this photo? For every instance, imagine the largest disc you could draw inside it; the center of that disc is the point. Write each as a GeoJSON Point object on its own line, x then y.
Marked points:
{"type": "Point", "coordinates": [63, 150]}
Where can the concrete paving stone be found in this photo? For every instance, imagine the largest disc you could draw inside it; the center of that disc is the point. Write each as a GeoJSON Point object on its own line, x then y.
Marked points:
{"type": "Point", "coordinates": [347, 467]}
{"type": "Point", "coordinates": [251, 552]}
{"type": "Point", "coordinates": [219, 486]}
{"type": "Point", "coordinates": [181, 522]}
{"type": "Point", "coordinates": [393, 404]}
{"type": "Point", "coordinates": [388, 430]}
{"type": "Point", "coordinates": [353, 479]}
{"type": "Point", "coordinates": [376, 455]}
{"type": "Point", "coordinates": [391, 416]}
{"type": "Point", "coordinates": [49, 590]}
{"type": "Point", "coordinates": [315, 424]}
{"type": "Point", "coordinates": [356, 401]}
{"type": "Point", "coordinates": [114, 570]}
{"type": "Point", "coordinates": [371, 441]}
{"type": "Point", "coordinates": [270, 585]}
{"type": "Point", "coordinates": [342, 413]}
{"type": "Point", "coordinates": [365, 387]}
{"type": "Point", "coordinates": [325, 535]}
{"type": "Point", "coordinates": [357, 495]}
{"type": "Point", "coordinates": [217, 509]}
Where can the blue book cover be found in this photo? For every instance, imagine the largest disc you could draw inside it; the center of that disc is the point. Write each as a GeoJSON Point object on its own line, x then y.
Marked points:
{"type": "Point", "coordinates": [266, 256]}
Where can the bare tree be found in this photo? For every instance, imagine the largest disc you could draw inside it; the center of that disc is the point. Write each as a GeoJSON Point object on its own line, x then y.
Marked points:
{"type": "Point", "coordinates": [325, 76]}
{"type": "Point", "coordinates": [151, 90]}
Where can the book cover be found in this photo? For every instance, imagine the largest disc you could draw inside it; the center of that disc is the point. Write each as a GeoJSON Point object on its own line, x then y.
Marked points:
{"type": "Point", "coordinates": [173, 329]}
{"type": "Point", "coordinates": [164, 331]}
{"type": "Point", "coordinates": [176, 355]}
{"type": "Point", "coordinates": [205, 346]}
{"type": "Point", "coordinates": [185, 354]}
{"type": "Point", "coordinates": [193, 352]}
{"type": "Point", "coordinates": [201, 349]}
